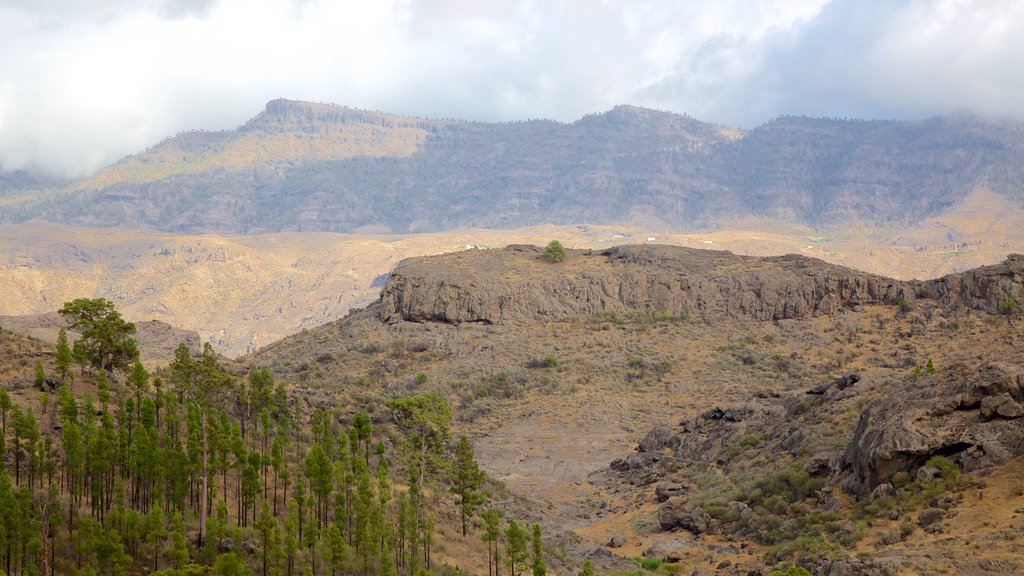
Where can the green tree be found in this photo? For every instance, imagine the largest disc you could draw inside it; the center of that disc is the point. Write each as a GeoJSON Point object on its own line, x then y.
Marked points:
{"type": "Point", "coordinates": [156, 532]}
{"type": "Point", "coordinates": [555, 252]}
{"type": "Point", "coordinates": [178, 552]}
{"type": "Point", "coordinates": [491, 533]}
{"type": "Point", "coordinates": [320, 474]}
{"type": "Point", "coordinates": [588, 569]}
{"type": "Point", "coordinates": [201, 384]}
{"type": "Point", "coordinates": [5, 406]}
{"type": "Point", "coordinates": [40, 379]}
{"type": "Point", "coordinates": [106, 341]}
{"type": "Point", "coordinates": [265, 525]}
{"type": "Point", "coordinates": [231, 564]}
{"type": "Point", "coordinates": [466, 481]}
{"type": "Point", "coordinates": [428, 419]}
{"type": "Point", "coordinates": [63, 355]}
{"type": "Point", "coordinates": [539, 568]}
{"type": "Point", "coordinates": [515, 547]}
{"type": "Point", "coordinates": [138, 381]}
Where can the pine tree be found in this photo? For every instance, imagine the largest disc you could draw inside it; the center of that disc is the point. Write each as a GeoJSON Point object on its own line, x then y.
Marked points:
{"type": "Point", "coordinates": [588, 569]}
{"type": "Point", "coordinates": [106, 341]}
{"type": "Point", "coordinates": [264, 528]}
{"type": "Point", "coordinates": [156, 532]}
{"type": "Point", "coordinates": [51, 514]}
{"type": "Point", "coordinates": [539, 568]}
{"type": "Point", "coordinates": [200, 383]}
{"type": "Point", "coordinates": [63, 355]}
{"type": "Point", "coordinates": [490, 536]}
{"type": "Point", "coordinates": [428, 419]}
{"type": "Point", "coordinates": [40, 379]}
{"type": "Point", "coordinates": [5, 406]}
{"type": "Point", "coordinates": [178, 552]}
{"type": "Point", "coordinates": [515, 547]}
{"type": "Point", "coordinates": [466, 481]}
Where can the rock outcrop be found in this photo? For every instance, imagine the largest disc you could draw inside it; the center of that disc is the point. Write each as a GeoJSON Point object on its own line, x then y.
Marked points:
{"type": "Point", "coordinates": [998, 288]}
{"type": "Point", "coordinates": [517, 285]}
{"type": "Point", "coordinates": [971, 416]}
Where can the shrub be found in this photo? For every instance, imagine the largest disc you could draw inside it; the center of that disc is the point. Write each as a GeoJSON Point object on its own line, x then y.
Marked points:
{"type": "Point", "coordinates": [555, 252]}
{"type": "Point", "coordinates": [649, 564]}
{"type": "Point", "coordinates": [792, 571]}
{"type": "Point", "coordinates": [1010, 306]}
{"type": "Point", "coordinates": [548, 361]}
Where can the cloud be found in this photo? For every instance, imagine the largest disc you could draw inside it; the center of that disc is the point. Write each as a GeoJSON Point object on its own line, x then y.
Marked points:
{"type": "Point", "coordinates": [85, 82]}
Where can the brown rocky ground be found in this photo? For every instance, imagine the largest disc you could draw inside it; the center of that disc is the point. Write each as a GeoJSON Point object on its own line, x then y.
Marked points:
{"type": "Point", "coordinates": [553, 392]}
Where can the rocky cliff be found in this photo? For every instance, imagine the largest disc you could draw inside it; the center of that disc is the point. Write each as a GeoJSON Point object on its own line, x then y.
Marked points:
{"type": "Point", "coordinates": [517, 285]}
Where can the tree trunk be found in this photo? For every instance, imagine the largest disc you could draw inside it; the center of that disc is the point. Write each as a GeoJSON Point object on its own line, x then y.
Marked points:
{"type": "Point", "coordinates": [206, 487]}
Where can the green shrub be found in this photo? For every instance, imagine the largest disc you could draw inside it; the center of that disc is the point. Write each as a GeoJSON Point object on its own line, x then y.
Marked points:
{"type": "Point", "coordinates": [548, 361]}
{"type": "Point", "coordinates": [901, 479]}
{"type": "Point", "coordinates": [649, 564]}
{"type": "Point", "coordinates": [555, 252]}
{"type": "Point", "coordinates": [792, 571]}
{"type": "Point", "coordinates": [1010, 306]}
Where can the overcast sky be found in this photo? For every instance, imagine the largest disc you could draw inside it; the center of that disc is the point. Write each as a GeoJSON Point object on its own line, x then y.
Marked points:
{"type": "Point", "coordinates": [85, 82]}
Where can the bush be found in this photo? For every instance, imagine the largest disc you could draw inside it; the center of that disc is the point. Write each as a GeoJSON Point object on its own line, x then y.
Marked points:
{"type": "Point", "coordinates": [555, 252]}
{"type": "Point", "coordinates": [649, 564]}
{"type": "Point", "coordinates": [548, 361]}
{"type": "Point", "coordinates": [1010, 306]}
{"type": "Point", "coordinates": [792, 571]}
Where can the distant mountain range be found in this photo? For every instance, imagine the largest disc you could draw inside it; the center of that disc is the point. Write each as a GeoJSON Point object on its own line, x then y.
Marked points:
{"type": "Point", "coordinates": [300, 166]}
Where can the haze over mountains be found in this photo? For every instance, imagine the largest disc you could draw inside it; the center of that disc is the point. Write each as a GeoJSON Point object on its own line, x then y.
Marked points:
{"type": "Point", "coordinates": [299, 166]}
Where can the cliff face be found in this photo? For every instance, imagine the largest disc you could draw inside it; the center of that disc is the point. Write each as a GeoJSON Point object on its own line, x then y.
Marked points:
{"type": "Point", "coordinates": [998, 288]}
{"type": "Point", "coordinates": [517, 285]}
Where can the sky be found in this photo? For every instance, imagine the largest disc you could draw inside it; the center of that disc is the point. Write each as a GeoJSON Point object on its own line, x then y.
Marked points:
{"type": "Point", "coordinates": [86, 82]}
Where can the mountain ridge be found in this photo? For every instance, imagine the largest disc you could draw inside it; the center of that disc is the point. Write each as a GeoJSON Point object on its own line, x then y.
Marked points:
{"type": "Point", "coordinates": [302, 166]}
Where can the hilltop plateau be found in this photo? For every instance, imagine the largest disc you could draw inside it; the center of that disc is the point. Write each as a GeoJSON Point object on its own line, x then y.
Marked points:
{"type": "Point", "coordinates": [751, 372]}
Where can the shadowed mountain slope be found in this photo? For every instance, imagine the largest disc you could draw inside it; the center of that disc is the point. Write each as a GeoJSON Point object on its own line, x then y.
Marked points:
{"type": "Point", "coordinates": [303, 166]}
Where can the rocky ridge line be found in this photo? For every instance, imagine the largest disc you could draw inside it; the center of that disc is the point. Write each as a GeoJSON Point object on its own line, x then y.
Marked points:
{"type": "Point", "coordinates": [516, 285]}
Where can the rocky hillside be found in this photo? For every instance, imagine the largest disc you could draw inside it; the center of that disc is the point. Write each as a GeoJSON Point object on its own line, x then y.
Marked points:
{"type": "Point", "coordinates": [794, 403]}
{"type": "Point", "coordinates": [157, 340]}
{"type": "Point", "coordinates": [316, 167]}
{"type": "Point", "coordinates": [513, 287]}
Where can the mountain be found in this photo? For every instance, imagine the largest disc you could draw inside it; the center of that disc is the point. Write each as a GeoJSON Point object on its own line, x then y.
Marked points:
{"type": "Point", "coordinates": [301, 166]}
{"type": "Point", "coordinates": [703, 408]}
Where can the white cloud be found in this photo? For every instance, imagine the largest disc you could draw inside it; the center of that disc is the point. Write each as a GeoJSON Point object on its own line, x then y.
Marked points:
{"type": "Point", "coordinates": [85, 82]}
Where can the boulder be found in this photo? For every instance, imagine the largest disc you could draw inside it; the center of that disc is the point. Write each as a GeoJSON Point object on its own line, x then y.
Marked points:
{"type": "Point", "coordinates": [926, 475]}
{"type": "Point", "coordinates": [659, 438]}
{"type": "Point", "coordinates": [1001, 406]}
{"type": "Point", "coordinates": [940, 414]}
{"type": "Point", "coordinates": [667, 489]}
{"type": "Point", "coordinates": [672, 514]}
{"type": "Point", "coordinates": [883, 490]}
{"type": "Point", "coordinates": [930, 516]}
{"type": "Point", "coordinates": [841, 383]}
{"type": "Point", "coordinates": [616, 541]}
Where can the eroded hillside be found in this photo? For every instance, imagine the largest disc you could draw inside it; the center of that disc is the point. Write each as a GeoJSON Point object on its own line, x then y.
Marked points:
{"type": "Point", "coordinates": [560, 369]}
